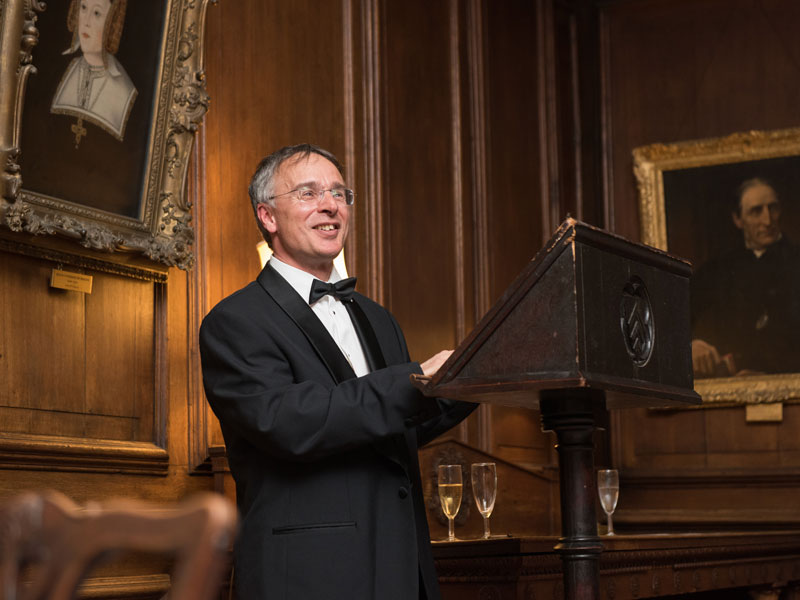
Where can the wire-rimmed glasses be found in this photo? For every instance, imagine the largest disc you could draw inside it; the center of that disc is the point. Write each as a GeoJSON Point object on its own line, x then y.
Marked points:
{"type": "Point", "coordinates": [307, 194]}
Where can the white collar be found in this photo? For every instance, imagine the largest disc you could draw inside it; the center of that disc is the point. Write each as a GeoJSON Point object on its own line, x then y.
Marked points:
{"type": "Point", "coordinates": [760, 252]}
{"type": "Point", "coordinates": [112, 65]}
{"type": "Point", "coordinates": [300, 280]}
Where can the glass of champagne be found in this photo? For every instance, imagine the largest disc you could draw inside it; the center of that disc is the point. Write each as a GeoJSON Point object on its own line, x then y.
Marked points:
{"type": "Point", "coordinates": [450, 486]}
{"type": "Point", "coordinates": [608, 488]}
{"type": "Point", "coordinates": [484, 489]}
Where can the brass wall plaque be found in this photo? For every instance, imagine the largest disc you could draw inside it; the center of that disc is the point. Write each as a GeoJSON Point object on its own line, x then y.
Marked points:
{"type": "Point", "coordinates": [771, 412]}
{"type": "Point", "coordinates": [75, 282]}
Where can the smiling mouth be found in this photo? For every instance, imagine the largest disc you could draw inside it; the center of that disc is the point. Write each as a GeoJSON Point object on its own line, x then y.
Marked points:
{"type": "Point", "coordinates": [326, 227]}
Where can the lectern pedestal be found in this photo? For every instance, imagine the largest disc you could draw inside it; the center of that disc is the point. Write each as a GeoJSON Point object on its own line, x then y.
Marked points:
{"type": "Point", "coordinates": [594, 322]}
{"type": "Point", "coordinates": [571, 415]}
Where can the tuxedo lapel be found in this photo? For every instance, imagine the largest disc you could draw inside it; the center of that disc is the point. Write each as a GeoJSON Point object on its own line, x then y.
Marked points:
{"type": "Point", "coordinates": [327, 350]}
{"type": "Point", "coordinates": [300, 312]}
{"type": "Point", "coordinates": [393, 447]}
{"type": "Point", "coordinates": [366, 335]}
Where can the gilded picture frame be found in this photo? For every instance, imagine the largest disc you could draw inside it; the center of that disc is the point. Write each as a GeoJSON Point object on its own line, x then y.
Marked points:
{"type": "Point", "coordinates": [685, 194]}
{"type": "Point", "coordinates": [94, 155]}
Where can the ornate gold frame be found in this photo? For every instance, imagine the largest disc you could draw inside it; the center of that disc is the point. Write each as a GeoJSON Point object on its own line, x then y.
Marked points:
{"type": "Point", "coordinates": [95, 238]}
{"type": "Point", "coordinates": [650, 163]}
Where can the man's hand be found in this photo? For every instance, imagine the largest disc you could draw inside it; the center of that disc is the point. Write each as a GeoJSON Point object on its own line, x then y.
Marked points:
{"type": "Point", "coordinates": [704, 358]}
{"type": "Point", "coordinates": [430, 366]}
{"type": "Point", "coordinates": [707, 362]}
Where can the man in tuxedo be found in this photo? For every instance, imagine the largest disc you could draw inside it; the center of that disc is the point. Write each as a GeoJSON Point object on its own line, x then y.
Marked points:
{"type": "Point", "coordinates": [310, 382]}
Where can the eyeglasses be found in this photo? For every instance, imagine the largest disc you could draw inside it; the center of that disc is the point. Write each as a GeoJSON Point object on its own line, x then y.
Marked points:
{"type": "Point", "coordinates": [307, 194]}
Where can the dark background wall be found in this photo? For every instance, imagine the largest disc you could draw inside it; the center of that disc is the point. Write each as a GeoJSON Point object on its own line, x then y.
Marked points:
{"type": "Point", "coordinates": [469, 130]}
{"type": "Point", "coordinates": [685, 70]}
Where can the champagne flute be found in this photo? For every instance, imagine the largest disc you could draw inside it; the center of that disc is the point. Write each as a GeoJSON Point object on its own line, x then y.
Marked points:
{"type": "Point", "coordinates": [450, 487]}
{"type": "Point", "coordinates": [484, 489]}
{"type": "Point", "coordinates": [608, 489]}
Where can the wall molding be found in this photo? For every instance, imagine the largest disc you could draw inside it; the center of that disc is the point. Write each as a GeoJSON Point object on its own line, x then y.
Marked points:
{"type": "Point", "coordinates": [476, 40]}
{"type": "Point", "coordinates": [55, 453]}
{"type": "Point", "coordinates": [372, 122]}
{"type": "Point", "coordinates": [709, 478]}
{"type": "Point", "coordinates": [198, 416]}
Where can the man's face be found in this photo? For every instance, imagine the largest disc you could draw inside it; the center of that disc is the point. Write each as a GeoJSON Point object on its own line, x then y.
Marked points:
{"type": "Point", "coordinates": [306, 235]}
{"type": "Point", "coordinates": [758, 218]}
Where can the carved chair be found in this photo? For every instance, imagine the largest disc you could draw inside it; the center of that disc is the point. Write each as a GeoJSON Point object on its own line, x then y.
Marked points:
{"type": "Point", "coordinates": [54, 542]}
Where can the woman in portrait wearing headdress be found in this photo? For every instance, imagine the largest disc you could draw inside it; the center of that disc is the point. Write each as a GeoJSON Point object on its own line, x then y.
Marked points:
{"type": "Point", "coordinates": [95, 86]}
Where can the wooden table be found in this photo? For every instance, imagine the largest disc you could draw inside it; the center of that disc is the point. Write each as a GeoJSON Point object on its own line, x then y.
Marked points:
{"type": "Point", "coordinates": [748, 565]}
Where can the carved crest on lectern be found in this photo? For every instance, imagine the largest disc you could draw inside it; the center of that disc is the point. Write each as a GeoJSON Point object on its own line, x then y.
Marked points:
{"type": "Point", "coordinates": [636, 321]}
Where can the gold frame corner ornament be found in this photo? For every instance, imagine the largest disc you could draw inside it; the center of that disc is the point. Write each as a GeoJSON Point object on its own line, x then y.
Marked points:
{"type": "Point", "coordinates": [164, 233]}
{"type": "Point", "coordinates": [649, 165]}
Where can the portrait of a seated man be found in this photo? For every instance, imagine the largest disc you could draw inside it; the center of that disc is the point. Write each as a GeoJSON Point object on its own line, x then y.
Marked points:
{"type": "Point", "coordinates": [746, 303]}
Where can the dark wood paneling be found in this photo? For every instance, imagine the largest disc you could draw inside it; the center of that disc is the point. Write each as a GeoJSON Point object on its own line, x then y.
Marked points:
{"type": "Point", "coordinates": [77, 365]}
{"type": "Point", "coordinates": [518, 183]}
{"type": "Point", "coordinates": [516, 190]}
{"type": "Point", "coordinates": [719, 438]}
{"type": "Point", "coordinates": [419, 205]}
{"type": "Point", "coordinates": [39, 326]}
{"type": "Point", "coordinates": [274, 80]}
{"type": "Point", "coordinates": [519, 438]}
{"type": "Point", "coordinates": [120, 370]}
{"type": "Point", "coordinates": [568, 178]}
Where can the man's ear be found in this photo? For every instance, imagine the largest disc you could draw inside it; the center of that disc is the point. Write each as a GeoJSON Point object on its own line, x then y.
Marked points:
{"type": "Point", "coordinates": [266, 217]}
{"type": "Point", "coordinates": [737, 220]}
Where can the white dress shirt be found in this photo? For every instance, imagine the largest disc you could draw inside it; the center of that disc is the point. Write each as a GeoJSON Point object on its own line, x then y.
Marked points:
{"type": "Point", "coordinates": [331, 312]}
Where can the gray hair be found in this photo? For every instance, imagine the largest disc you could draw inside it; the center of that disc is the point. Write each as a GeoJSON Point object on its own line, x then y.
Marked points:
{"type": "Point", "coordinates": [743, 187]}
{"type": "Point", "coordinates": [262, 184]}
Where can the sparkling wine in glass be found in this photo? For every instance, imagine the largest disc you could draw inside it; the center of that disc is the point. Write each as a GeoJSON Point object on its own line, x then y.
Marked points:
{"type": "Point", "coordinates": [450, 487]}
{"type": "Point", "coordinates": [608, 488]}
{"type": "Point", "coordinates": [484, 489]}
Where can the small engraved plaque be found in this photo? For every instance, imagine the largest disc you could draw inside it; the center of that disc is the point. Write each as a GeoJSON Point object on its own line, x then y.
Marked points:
{"type": "Point", "coordinates": [765, 413]}
{"type": "Point", "coordinates": [636, 321]}
{"type": "Point", "coordinates": [67, 280]}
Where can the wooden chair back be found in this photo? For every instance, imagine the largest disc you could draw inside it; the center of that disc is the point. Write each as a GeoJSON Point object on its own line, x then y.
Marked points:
{"type": "Point", "coordinates": [54, 542]}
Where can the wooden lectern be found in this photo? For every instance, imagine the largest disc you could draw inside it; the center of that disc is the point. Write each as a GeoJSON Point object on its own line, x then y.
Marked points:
{"type": "Point", "coordinates": [593, 322]}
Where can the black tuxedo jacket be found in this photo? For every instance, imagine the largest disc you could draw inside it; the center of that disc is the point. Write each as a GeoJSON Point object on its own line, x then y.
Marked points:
{"type": "Point", "coordinates": [325, 464]}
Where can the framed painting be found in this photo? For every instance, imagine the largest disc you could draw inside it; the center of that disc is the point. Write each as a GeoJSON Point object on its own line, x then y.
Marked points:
{"type": "Point", "coordinates": [99, 103]}
{"type": "Point", "coordinates": [731, 206]}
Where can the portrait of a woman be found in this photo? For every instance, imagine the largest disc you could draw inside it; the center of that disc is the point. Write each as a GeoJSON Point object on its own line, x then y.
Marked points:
{"type": "Point", "coordinates": [95, 86]}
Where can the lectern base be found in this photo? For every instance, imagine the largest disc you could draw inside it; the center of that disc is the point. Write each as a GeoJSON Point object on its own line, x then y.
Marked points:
{"type": "Point", "coordinates": [571, 415]}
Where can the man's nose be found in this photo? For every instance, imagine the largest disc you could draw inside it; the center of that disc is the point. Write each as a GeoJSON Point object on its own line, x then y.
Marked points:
{"type": "Point", "coordinates": [770, 215]}
{"type": "Point", "coordinates": [327, 203]}
{"type": "Point", "coordinates": [774, 214]}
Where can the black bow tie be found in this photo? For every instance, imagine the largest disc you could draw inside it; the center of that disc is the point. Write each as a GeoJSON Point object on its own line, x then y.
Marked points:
{"type": "Point", "coordinates": [343, 290]}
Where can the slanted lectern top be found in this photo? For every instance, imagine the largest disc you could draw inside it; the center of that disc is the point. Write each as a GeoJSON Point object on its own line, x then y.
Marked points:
{"type": "Point", "coordinates": [591, 310]}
